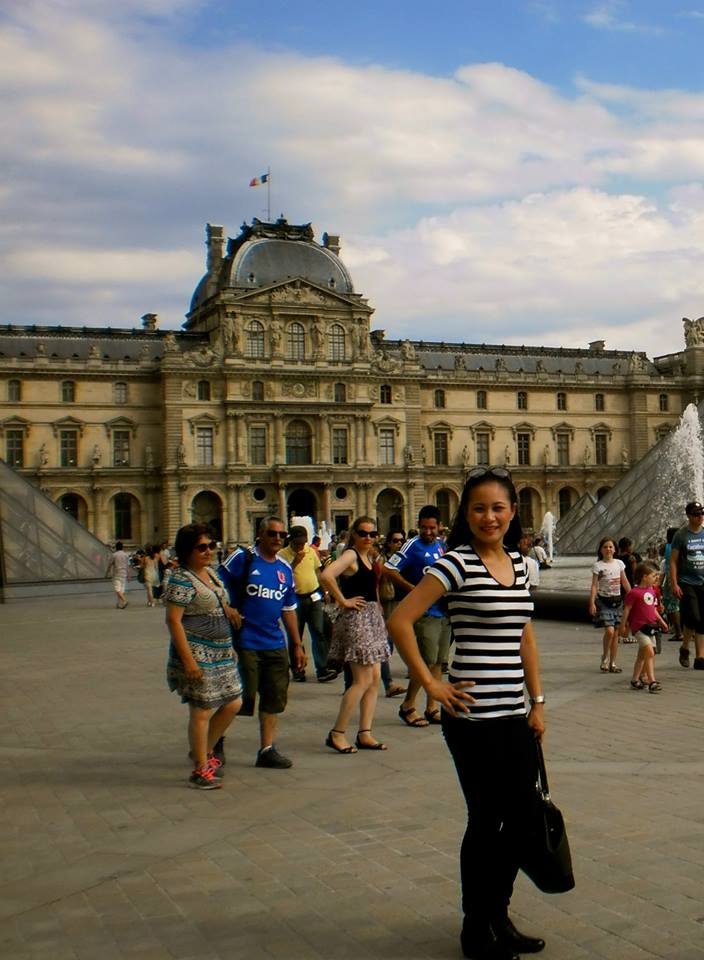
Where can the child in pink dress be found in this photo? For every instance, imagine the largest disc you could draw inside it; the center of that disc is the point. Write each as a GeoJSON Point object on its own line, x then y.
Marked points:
{"type": "Point", "coordinates": [641, 613]}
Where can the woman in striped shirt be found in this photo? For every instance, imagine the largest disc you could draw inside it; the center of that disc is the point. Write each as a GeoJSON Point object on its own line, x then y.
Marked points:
{"type": "Point", "coordinates": [489, 732]}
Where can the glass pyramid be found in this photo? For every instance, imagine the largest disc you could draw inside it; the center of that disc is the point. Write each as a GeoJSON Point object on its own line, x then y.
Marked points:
{"type": "Point", "coordinates": [40, 542]}
{"type": "Point", "coordinates": [648, 499]}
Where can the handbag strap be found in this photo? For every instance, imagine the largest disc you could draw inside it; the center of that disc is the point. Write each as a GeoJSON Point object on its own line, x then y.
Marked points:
{"type": "Point", "coordinates": [542, 772]}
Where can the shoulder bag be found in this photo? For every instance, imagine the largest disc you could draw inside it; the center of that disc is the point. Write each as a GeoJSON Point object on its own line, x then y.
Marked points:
{"type": "Point", "coordinates": [546, 857]}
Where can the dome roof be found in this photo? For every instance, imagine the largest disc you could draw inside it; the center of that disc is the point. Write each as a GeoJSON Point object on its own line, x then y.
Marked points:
{"type": "Point", "coordinates": [261, 262]}
{"type": "Point", "coordinates": [268, 253]}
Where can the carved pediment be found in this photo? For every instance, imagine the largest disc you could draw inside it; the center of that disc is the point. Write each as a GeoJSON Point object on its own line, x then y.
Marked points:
{"type": "Point", "coordinates": [121, 423]}
{"type": "Point", "coordinates": [299, 292]}
{"type": "Point", "coordinates": [389, 423]}
{"type": "Point", "coordinates": [204, 420]}
{"type": "Point", "coordinates": [523, 427]}
{"type": "Point", "coordinates": [68, 423]}
{"type": "Point", "coordinates": [15, 423]}
{"type": "Point", "coordinates": [482, 426]}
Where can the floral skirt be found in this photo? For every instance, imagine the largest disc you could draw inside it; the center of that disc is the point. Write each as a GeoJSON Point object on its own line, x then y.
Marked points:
{"type": "Point", "coordinates": [220, 683]}
{"type": "Point", "coordinates": [359, 636]}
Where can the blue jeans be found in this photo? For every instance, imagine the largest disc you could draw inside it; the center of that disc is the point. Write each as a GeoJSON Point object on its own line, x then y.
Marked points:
{"type": "Point", "coordinates": [309, 613]}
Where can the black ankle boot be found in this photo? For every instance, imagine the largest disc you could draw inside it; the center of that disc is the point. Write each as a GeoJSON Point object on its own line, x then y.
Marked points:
{"type": "Point", "coordinates": [482, 943]}
{"type": "Point", "coordinates": [515, 940]}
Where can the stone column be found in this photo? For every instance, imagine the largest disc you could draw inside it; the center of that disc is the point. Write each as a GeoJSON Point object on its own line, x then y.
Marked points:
{"type": "Point", "coordinates": [240, 438]}
{"type": "Point", "coordinates": [359, 437]}
{"type": "Point", "coordinates": [279, 454]}
{"type": "Point", "coordinates": [281, 495]}
{"type": "Point", "coordinates": [327, 506]}
{"type": "Point", "coordinates": [183, 501]}
{"type": "Point", "coordinates": [366, 428]}
{"type": "Point", "coordinates": [325, 454]}
{"type": "Point", "coordinates": [231, 437]}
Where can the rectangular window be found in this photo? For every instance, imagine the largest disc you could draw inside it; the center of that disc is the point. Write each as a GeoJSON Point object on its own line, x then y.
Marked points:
{"type": "Point", "coordinates": [387, 447]}
{"type": "Point", "coordinates": [523, 448]}
{"type": "Point", "coordinates": [563, 449]}
{"type": "Point", "coordinates": [339, 445]}
{"type": "Point", "coordinates": [257, 446]}
{"type": "Point", "coordinates": [483, 449]}
{"type": "Point", "coordinates": [440, 449]}
{"type": "Point", "coordinates": [68, 454]}
{"type": "Point", "coordinates": [15, 447]}
{"type": "Point", "coordinates": [121, 448]}
{"type": "Point", "coordinates": [204, 446]}
{"type": "Point", "coordinates": [600, 451]}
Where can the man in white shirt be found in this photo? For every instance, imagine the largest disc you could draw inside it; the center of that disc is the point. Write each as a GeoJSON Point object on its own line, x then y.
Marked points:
{"type": "Point", "coordinates": [119, 568]}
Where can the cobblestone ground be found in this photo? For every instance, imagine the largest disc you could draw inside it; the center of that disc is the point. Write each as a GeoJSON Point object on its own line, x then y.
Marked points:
{"type": "Point", "coordinates": [106, 854]}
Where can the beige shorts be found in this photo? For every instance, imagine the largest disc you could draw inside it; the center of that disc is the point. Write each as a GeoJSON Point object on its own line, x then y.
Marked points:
{"type": "Point", "coordinates": [644, 640]}
{"type": "Point", "coordinates": [433, 636]}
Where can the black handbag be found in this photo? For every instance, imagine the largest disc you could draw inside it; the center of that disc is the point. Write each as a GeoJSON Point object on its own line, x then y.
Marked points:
{"type": "Point", "coordinates": [546, 857]}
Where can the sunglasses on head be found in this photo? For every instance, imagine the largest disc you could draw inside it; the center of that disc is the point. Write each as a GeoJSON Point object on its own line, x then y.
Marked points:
{"type": "Point", "coordinates": [367, 533]}
{"type": "Point", "coordinates": [204, 547]}
{"type": "Point", "coordinates": [501, 473]}
{"type": "Point", "coordinates": [276, 533]}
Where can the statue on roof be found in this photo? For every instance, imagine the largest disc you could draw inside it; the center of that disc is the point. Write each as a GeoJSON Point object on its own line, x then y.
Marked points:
{"type": "Point", "coordinates": [408, 351]}
{"type": "Point", "coordinates": [460, 363]}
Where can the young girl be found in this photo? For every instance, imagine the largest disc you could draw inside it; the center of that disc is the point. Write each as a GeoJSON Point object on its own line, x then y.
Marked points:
{"type": "Point", "coordinates": [605, 602]}
{"type": "Point", "coordinates": [641, 615]}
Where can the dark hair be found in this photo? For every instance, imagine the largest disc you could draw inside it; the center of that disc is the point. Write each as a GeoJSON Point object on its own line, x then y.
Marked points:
{"type": "Point", "coordinates": [624, 544]}
{"type": "Point", "coordinates": [187, 538]}
{"type": "Point", "coordinates": [460, 532]}
{"type": "Point", "coordinates": [671, 531]}
{"type": "Point", "coordinates": [118, 545]}
{"type": "Point", "coordinates": [643, 569]}
{"type": "Point", "coordinates": [355, 525]}
{"type": "Point", "coordinates": [298, 533]}
{"type": "Point", "coordinates": [390, 535]}
{"type": "Point", "coordinates": [429, 512]}
{"type": "Point", "coordinates": [601, 544]}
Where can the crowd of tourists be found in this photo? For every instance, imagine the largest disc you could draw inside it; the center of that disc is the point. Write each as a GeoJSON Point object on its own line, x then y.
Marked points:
{"type": "Point", "coordinates": [236, 625]}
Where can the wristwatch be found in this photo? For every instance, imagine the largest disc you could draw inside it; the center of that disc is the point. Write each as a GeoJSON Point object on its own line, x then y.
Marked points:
{"type": "Point", "coordinates": [539, 699]}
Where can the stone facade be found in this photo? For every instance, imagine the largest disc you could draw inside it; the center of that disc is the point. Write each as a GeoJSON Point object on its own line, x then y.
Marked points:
{"type": "Point", "coordinates": [277, 396]}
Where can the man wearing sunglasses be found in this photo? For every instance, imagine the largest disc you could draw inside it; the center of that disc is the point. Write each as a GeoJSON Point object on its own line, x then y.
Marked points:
{"type": "Point", "coordinates": [405, 569]}
{"type": "Point", "coordinates": [260, 586]}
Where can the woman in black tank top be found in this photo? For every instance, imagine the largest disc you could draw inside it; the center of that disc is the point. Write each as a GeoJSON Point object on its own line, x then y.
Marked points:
{"type": "Point", "coordinates": [359, 635]}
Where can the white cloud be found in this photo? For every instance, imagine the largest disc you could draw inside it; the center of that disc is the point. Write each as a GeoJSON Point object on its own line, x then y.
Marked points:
{"type": "Point", "coordinates": [478, 203]}
{"type": "Point", "coordinates": [606, 16]}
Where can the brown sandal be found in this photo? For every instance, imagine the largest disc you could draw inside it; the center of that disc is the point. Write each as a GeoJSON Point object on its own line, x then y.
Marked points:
{"type": "Point", "coordinates": [406, 715]}
{"type": "Point", "coordinates": [432, 716]}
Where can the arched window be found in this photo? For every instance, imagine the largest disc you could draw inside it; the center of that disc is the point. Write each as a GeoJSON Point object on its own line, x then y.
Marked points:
{"type": "Point", "coordinates": [599, 402]}
{"type": "Point", "coordinates": [204, 390]}
{"type": "Point", "coordinates": [565, 498]}
{"type": "Point", "coordinates": [122, 506]}
{"type": "Point", "coordinates": [68, 391]}
{"type": "Point", "coordinates": [442, 502]}
{"type": "Point", "coordinates": [296, 338]}
{"type": "Point", "coordinates": [481, 399]}
{"type": "Point", "coordinates": [337, 342]}
{"type": "Point", "coordinates": [664, 402]}
{"type": "Point", "coordinates": [257, 391]}
{"type": "Point", "coordinates": [522, 400]}
{"type": "Point", "coordinates": [439, 399]}
{"type": "Point", "coordinates": [69, 503]}
{"type": "Point", "coordinates": [298, 443]}
{"type": "Point", "coordinates": [14, 391]}
{"type": "Point", "coordinates": [561, 400]}
{"type": "Point", "coordinates": [254, 340]}
{"type": "Point", "coordinates": [120, 392]}
{"type": "Point", "coordinates": [385, 393]}
{"type": "Point", "coordinates": [525, 508]}
{"type": "Point", "coordinates": [340, 393]}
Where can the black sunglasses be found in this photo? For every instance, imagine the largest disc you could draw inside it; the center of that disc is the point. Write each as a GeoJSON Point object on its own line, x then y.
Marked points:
{"type": "Point", "coordinates": [276, 533]}
{"type": "Point", "coordinates": [367, 533]}
{"type": "Point", "coordinates": [203, 547]}
{"type": "Point", "coordinates": [396, 540]}
{"type": "Point", "coordinates": [501, 473]}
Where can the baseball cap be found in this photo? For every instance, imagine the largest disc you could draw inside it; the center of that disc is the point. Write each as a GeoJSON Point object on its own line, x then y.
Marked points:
{"type": "Point", "coordinates": [694, 507]}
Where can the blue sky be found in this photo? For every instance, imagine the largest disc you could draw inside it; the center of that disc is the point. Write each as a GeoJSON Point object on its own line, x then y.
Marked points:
{"type": "Point", "coordinates": [499, 172]}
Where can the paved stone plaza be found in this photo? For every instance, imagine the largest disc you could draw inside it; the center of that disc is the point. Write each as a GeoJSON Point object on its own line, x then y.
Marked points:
{"type": "Point", "coordinates": [107, 854]}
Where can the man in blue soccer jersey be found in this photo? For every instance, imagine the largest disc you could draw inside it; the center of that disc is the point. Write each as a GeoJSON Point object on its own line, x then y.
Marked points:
{"type": "Point", "coordinates": [405, 569]}
{"type": "Point", "coordinates": [260, 585]}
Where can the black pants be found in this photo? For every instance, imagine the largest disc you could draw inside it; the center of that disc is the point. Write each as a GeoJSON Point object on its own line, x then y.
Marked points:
{"type": "Point", "coordinates": [497, 767]}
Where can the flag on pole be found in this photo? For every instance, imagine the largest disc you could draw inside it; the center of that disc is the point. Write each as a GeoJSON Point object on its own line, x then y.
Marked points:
{"type": "Point", "coordinates": [258, 181]}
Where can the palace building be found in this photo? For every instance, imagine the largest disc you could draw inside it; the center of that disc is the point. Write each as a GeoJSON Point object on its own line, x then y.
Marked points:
{"type": "Point", "coordinates": [279, 396]}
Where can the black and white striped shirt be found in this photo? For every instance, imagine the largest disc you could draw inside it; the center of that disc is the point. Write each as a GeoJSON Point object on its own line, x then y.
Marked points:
{"type": "Point", "coordinates": [487, 624]}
